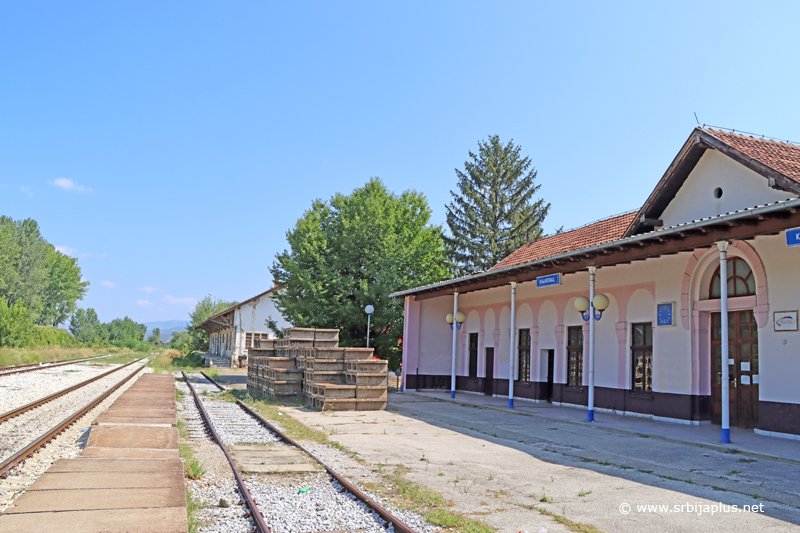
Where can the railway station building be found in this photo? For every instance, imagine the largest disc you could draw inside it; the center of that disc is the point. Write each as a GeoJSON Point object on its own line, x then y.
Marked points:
{"type": "Point", "coordinates": [235, 330]}
{"type": "Point", "coordinates": [727, 207]}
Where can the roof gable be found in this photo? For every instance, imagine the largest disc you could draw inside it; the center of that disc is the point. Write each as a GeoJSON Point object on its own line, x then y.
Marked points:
{"type": "Point", "coordinates": [778, 162]}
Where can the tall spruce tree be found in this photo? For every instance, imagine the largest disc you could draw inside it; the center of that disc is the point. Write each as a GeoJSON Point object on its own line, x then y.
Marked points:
{"type": "Point", "coordinates": [494, 212]}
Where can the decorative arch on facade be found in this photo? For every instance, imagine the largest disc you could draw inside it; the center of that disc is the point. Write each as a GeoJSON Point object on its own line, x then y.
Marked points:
{"type": "Point", "coordinates": [761, 309]}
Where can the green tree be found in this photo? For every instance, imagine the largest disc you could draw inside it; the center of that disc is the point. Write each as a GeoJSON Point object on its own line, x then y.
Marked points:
{"type": "Point", "coordinates": [155, 336]}
{"type": "Point", "coordinates": [31, 266]}
{"type": "Point", "coordinates": [87, 328]}
{"type": "Point", "coordinates": [180, 341]}
{"type": "Point", "coordinates": [9, 258]}
{"type": "Point", "coordinates": [203, 310]}
{"type": "Point", "coordinates": [45, 281]}
{"type": "Point", "coordinates": [355, 250]}
{"type": "Point", "coordinates": [63, 288]}
{"type": "Point", "coordinates": [125, 330]}
{"type": "Point", "coordinates": [494, 212]}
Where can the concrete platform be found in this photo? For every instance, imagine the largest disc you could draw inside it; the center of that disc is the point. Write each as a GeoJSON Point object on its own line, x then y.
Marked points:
{"type": "Point", "coordinates": [86, 464]}
{"type": "Point", "coordinates": [138, 416]}
{"type": "Point", "coordinates": [155, 520]}
{"type": "Point", "coordinates": [129, 478]}
{"type": "Point", "coordinates": [133, 437]}
{"type": "Point", "coordinates": [108, 480]}
{"type": "Point", "coordinates": [33, 501]}
{"type": "Point", "coordinates": [128, 453]}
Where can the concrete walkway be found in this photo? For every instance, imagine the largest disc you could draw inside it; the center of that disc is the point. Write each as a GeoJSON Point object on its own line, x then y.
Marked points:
{"type": "Point", "coordinates": [745, 441]}
{"type": "Point", "coordinates": [512, 467]}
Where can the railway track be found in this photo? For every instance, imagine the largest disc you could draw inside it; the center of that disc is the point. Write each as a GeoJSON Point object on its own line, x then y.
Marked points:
{"type": "Point", "coordinates": [20, 369]}
{"type": "Point", "coordinates": [23, 448]}
{"type": "Point", "coordinates": [41, 401]}
{"type": "Point", "coordinates": [341, 492]}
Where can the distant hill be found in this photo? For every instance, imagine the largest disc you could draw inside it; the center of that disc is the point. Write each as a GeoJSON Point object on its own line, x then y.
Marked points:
{"type": "Point", "coordinates": [168, 327]}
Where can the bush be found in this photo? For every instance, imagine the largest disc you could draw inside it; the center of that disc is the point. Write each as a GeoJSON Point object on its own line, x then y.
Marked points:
{"type": "Point", "coordinates": [51, 336]}
{"type": "Point", "coordinates": [16, 326]}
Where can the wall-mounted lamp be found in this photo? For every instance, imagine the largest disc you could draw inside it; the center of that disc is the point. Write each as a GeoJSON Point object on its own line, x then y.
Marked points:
{"type": "Point", "coordinates": [599, 305]}
{"type": "Point", "coordinates": [460, 318]}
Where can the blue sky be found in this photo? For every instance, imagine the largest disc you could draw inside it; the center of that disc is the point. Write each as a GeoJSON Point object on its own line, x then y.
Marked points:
{"type": "Point", "coordinates": [170, 145]}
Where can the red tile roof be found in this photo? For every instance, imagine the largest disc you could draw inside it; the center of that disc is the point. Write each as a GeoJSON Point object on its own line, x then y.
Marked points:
{"type": "Point", "coordinates": [780, 156]}
{"type": "Point", "coordinates": [599, 232]}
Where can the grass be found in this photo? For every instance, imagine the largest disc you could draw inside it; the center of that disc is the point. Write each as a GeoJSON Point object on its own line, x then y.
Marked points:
{"type": "Point", "coordinates": [192, 467]}
{"type": "Point", "coordinates": [192, 509]}
{"type": "Point", "coordinates": [404, 492]}
{"type": "Point", "coordinates": [584, 493]}
{"type": "Point", "coordinates": [428, 503]}
{"type": "Point", "coordinates": [291, 427]}
{"type": "Point", "coordinates": [44, 354]}
{"type": "Point", "coordinates": [578, 527]}
{"type": "Point", "coordinates": [170, 361]}
{"type": "Point", "coordinates": [122, 359]}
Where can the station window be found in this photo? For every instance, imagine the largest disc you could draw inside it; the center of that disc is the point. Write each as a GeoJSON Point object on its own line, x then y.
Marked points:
{"type": "Point", "coordinates": [741, 281]}
{"type": "Point", "coordinates": [575, 356]}
{"type": "Point", "coordinates": [524, 355]}
{"type": "Point", "coordinates": [642, 355]}
{"type": "Point", "coordinates": [473, 355]}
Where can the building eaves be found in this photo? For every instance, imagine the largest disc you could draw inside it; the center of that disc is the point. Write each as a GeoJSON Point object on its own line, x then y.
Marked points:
{"type": "Point", "coordinates": [663, 232]}
{"type": "Point", "coordinates": [234, 307]}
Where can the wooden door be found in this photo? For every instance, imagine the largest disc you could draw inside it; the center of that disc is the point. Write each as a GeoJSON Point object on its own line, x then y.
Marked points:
{"type": "Point", "coordinates": [488, 381]}
{"type": "Point", "coordinates": [743, 368]}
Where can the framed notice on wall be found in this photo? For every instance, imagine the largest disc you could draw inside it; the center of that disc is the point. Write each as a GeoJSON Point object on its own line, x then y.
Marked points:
{"type": "Point", "coordinates": [785, 320]}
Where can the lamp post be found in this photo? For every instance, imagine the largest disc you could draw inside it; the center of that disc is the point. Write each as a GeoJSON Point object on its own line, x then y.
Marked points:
{"type": "Point", "coordinates": [598, 304]}
{"type": "Point", "coordinates": [458, 317]}
{"type": "Point", "coordinates": [369, 310]}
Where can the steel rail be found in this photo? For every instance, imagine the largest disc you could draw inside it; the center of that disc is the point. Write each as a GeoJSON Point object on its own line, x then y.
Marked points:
{"type": "Point", "coordinates": [260, 525]}
{"type": "Point", "coordinates": [9, 370]}
{"type": "Point", "coordinates": [399, 526]}
{"type": "Point", "coordinates": [41, 401]}
{"type": "Point", "coordinates": [214, 381]}
{"type": "Point", "coordinates": [42, 441]}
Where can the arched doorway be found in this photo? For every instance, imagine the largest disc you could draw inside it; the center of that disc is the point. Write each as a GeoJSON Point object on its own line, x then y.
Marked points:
{"type": "Point", "coordinates": [742, 347]}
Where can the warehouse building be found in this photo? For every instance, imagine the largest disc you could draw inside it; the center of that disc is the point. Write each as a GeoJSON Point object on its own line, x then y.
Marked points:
{"type": "Point", "coordinates": [241, 327]}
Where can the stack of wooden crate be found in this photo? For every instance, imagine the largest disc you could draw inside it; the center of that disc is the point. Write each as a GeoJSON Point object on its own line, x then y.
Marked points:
{"type": "Point", "coordinates": [310, 362]}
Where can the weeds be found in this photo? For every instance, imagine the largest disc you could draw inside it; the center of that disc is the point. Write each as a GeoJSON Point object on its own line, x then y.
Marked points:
{"type": "Point", "coordinates": [584, 493]}
{"type": "Point", "coordinates": [193, 507]}
{"type": "Point", "coordinates": [563, 520]}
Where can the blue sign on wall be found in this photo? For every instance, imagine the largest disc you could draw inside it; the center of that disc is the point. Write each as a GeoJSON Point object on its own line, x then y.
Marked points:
{"type": "Point", "coordinates": [665, 314]}
{"type": "Point", "coordinates": [793, 237]}
{"type": "Point", "coordinates": [546, 281]}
